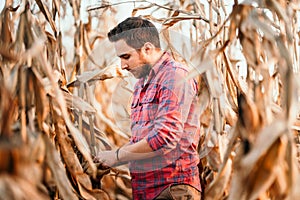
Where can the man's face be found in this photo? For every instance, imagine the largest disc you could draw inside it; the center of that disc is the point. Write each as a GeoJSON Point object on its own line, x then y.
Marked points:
{"type": "Point", "coordinates": [132, 60]}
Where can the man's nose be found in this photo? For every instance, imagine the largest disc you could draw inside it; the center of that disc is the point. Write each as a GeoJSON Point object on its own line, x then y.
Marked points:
{"type": "Point", "coordinates": [124, 65]}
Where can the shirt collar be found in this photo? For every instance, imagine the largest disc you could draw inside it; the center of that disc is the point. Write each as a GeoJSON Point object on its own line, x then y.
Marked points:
{"type": "Point", "coordinates": [165, 57]}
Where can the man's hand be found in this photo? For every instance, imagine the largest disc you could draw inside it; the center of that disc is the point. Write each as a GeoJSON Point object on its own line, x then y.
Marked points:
{"type": "Point", "coordinates": [107, 158]}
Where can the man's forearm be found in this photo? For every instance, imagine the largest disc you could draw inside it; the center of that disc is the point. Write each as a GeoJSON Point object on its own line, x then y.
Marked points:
{"type": "Point", "coordinates": [128, 152]}
{"type": "Point", "coordinates": [136, 151]}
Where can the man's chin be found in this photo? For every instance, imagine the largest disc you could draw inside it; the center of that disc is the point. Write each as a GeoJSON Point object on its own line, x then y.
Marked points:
{"type": "Point", "coordinates": [137, 76]}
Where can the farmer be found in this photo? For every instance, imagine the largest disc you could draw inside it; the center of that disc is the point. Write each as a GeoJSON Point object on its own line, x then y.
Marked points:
{"type": "Point", "coordinates": [162, 151]}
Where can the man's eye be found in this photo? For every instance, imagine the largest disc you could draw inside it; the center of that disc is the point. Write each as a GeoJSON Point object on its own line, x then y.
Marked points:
{"type": "Point", "coordinates": [126, 57]}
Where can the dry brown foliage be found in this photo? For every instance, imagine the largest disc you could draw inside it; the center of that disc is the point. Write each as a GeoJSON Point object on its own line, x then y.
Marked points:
{"type": "Point", "coordinates": [55, 100]}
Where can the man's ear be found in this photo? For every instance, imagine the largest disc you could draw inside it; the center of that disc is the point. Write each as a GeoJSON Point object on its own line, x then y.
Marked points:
{"type": "Point", "coordinates": [148, 48]}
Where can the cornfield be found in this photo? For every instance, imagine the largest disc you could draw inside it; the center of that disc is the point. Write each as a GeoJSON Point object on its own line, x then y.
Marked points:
{"type": "Point", "coordinates": [63, 96]}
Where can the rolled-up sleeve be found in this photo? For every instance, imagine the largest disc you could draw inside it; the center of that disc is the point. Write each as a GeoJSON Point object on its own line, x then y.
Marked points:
{"type": "Point", "coordinates": [167, 123]}
{"type": "Point", "coordinates": [174, 104]}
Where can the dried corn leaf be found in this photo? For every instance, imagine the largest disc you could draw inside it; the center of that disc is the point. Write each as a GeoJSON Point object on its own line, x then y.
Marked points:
{"type": "Point", "coordinates": [58, 171]}
{"type": "Point", "coordinates": [74, 167]}
{"type": "Point", "coordinates": [214, 82]}
{"type": "Point", "coordinates": [266, 170]}
{"type": "Point", "coordinates": [18, 188]}
{"type": "Point", "coordinates": [142, 7]}
{"type": "Point", "coordinates": [249, 117]}
{"type": "Point", "coordinates": [6, 33]}
{"type": "Point", "coordinates": [77, 136]}
{"type": "Point", "coordinates": [75, 102]}
{"type": "Point", "coordinates": [238, 82]}
{"type": "Point", "coordinates": [42, 108]}
{"type": "Point", "coordinates": [264, 141]}
{"type": "Point", "coordinates": [96, 75]}
{"type": "Point", "coordinates": [94, 194]}
{"type": "Point", "coordinates": [47, 15]}
{"type": "Point", "coordinates": [217, 187]}
{"type": "Point", "coordinates": [6, 54]}
{"type": "Point", "coordinates": [8, 108]}
{"type": "Point", "coordinates": [98, 134]}
{"type": "Point", "coordinates": [202, 67]}
{"type": "Point", "coordinates": [173, 20]}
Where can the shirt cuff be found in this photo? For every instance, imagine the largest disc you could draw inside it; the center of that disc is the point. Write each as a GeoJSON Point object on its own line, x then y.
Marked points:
{"type": "Point", "coordinates": [156, 145]}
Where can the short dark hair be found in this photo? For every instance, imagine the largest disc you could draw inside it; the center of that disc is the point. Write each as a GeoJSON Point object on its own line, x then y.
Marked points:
{"type": "Point", "coordinates": [136, 32]}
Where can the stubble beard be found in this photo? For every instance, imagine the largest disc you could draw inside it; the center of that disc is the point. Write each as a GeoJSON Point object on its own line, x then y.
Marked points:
{"type": "Point", "coordinates": [145, 71]}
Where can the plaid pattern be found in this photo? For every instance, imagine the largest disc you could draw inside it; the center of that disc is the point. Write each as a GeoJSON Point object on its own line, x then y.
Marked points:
{"type": "Point", "coordinates": [164, 112]}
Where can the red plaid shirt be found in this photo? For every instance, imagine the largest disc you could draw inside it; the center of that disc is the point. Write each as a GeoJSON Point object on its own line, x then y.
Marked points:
{"type": "Point", "coordinates": [164, 112]}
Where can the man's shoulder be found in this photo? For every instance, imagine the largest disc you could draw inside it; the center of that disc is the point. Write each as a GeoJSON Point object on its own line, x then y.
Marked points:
{"type": "Point", "coordinates": [172, 70]}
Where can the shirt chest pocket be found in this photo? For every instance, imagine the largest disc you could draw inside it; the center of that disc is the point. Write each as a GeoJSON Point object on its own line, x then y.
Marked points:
{"type": "Point", "coordinates": [145, 107]}
{"type": "Point", "coordinates": [149, 104]}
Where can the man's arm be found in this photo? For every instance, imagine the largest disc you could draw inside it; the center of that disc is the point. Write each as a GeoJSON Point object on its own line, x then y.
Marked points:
{"type": "Point", "coordinates": [136, 151]}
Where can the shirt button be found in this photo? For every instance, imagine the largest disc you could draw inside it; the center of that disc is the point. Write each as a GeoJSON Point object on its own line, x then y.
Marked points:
{"type": "Point", "coordinates": [136, 122]}
{"type": "Point", "coordinates": [140, 104]}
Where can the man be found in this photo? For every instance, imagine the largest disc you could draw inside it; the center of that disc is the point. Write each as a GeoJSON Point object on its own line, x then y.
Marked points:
{"type": "Point", "coordinates": [162, 152]}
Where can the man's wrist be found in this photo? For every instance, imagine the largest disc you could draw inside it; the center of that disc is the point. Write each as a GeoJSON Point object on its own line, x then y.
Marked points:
{"type": "Point", "coordinates": [118, 154]}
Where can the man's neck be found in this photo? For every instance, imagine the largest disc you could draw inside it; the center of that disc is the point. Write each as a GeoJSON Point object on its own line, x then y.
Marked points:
{"type": "Point", "coordinates": [156, 56]}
